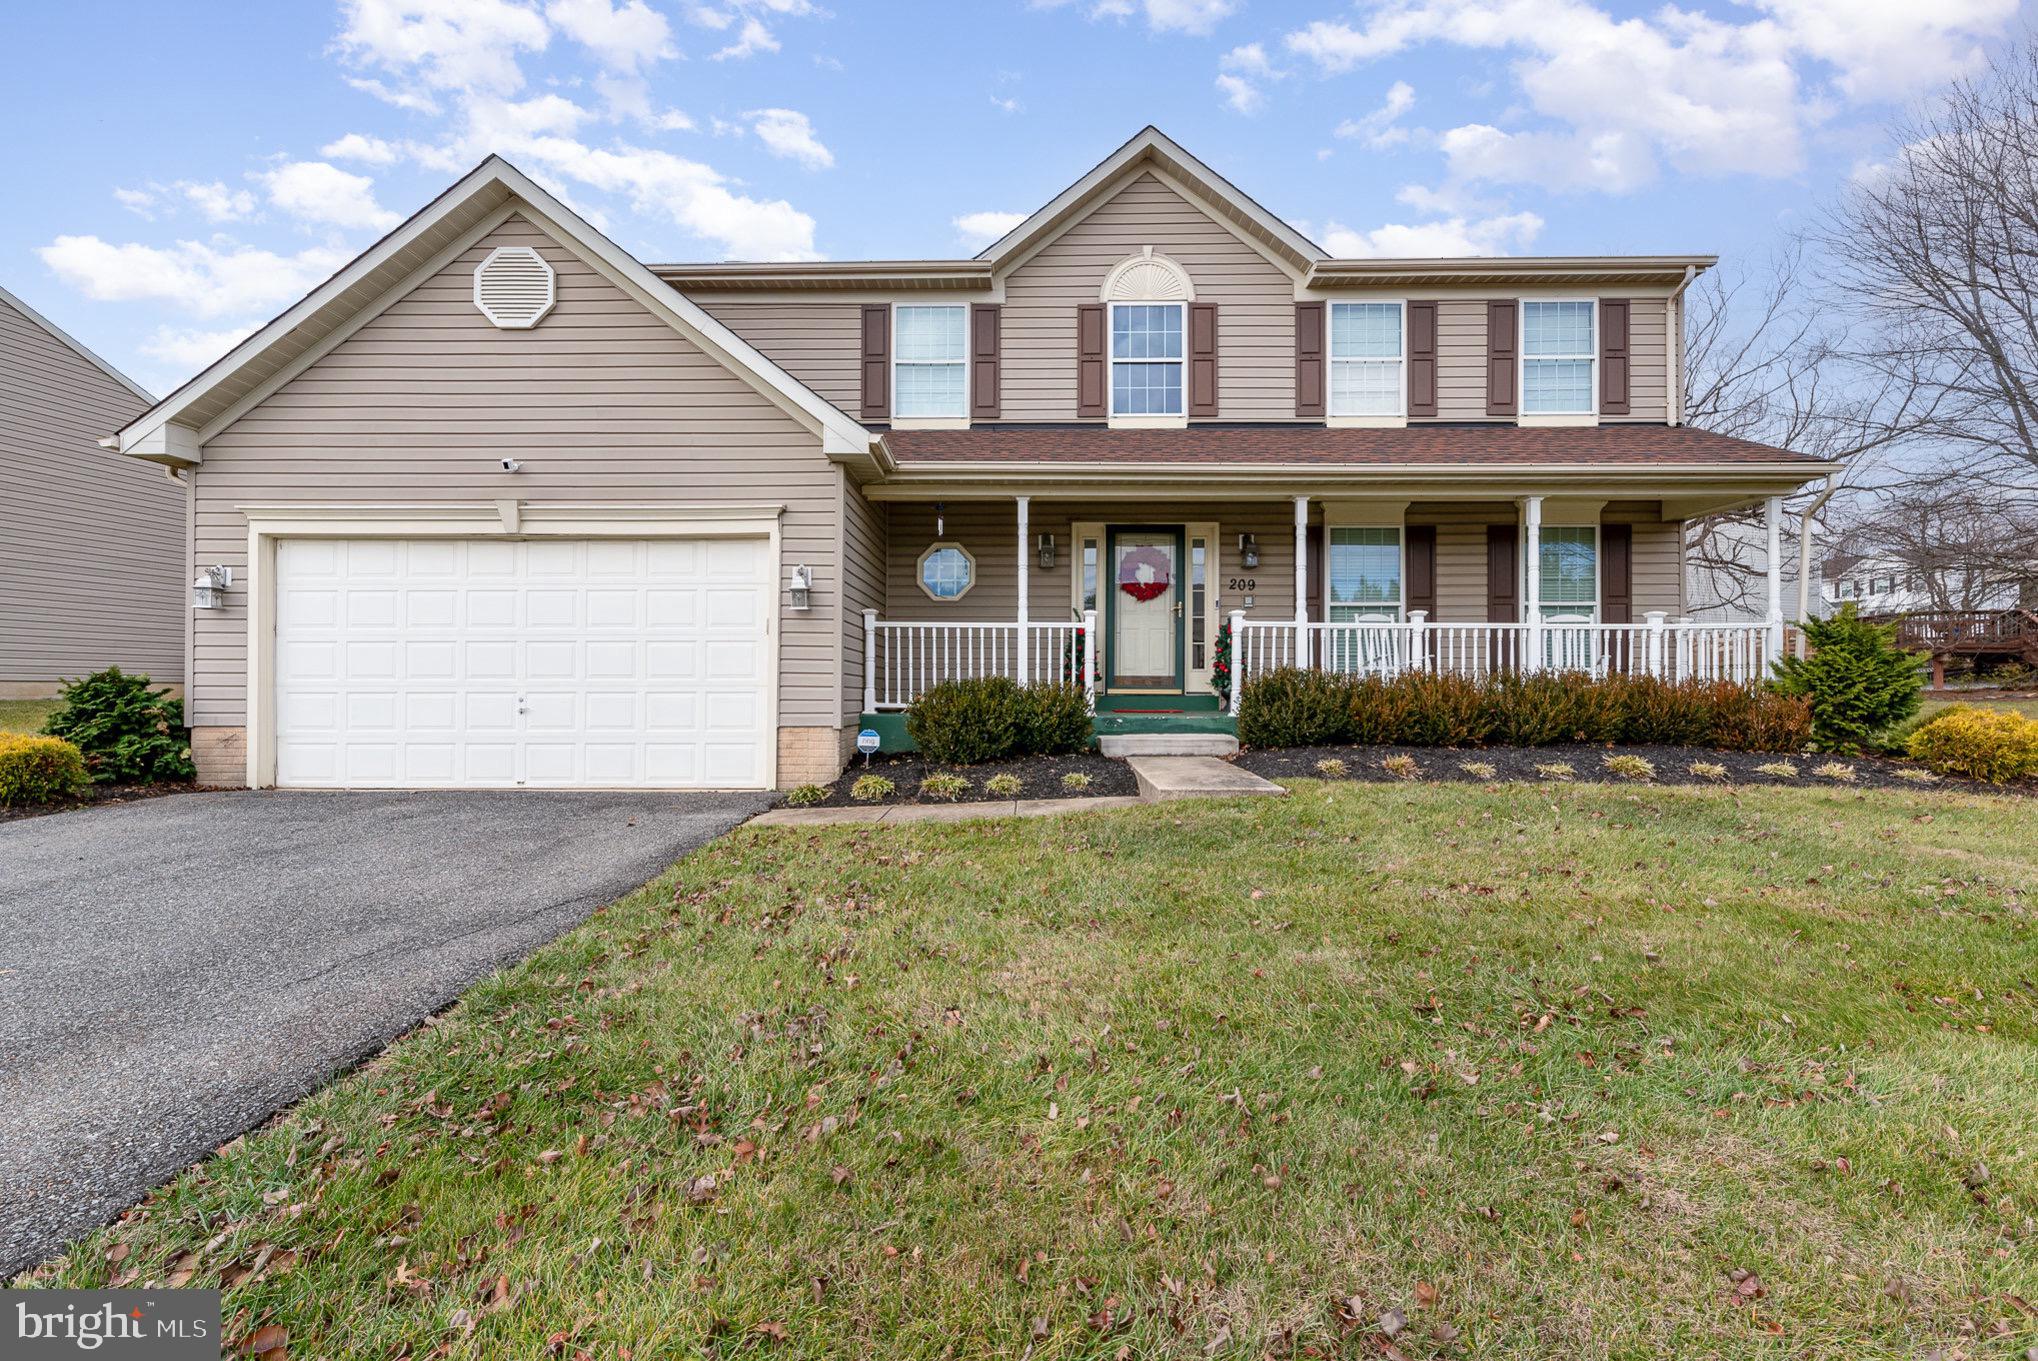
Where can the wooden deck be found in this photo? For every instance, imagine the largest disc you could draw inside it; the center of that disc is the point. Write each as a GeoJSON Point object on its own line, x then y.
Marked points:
{"type": "Point", "coordinates": [2003, 634]}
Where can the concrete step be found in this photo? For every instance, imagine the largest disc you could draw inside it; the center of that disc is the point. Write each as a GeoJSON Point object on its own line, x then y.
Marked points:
{"type": "Point", "coordinates": [1167, 744]}
{"type": "Point", "coordinates": [1162, 778]}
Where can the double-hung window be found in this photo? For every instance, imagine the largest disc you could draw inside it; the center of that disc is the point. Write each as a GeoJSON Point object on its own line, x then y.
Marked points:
{"type": "Point", "coordinates": [1570, 573]}
{"type": "Point", "coordinates": [1366, 360]}
{"type": "Point", "coordinates": [1365, 574]}
{"type": "Point", "coordinates": [929, 362]}
{"type": "Point", "coordinates": [1146, 358]}
{"type": "Point", "coordinates": [1558, 358]}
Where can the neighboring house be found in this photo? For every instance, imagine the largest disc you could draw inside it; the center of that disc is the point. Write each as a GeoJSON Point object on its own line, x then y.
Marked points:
{"type": "Point", "coordinates": [91, 544]}
{"type": "Point", "coordinates": [1877, 583]}
{"type": "Point", "coordinates": [505, 506]}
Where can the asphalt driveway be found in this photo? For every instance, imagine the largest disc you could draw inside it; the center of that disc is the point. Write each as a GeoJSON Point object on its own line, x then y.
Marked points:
{"type": "Point", "coordinates": [173, 971]}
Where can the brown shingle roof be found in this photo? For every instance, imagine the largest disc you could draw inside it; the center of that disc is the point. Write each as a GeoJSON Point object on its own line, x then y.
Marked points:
{"type": "Point", "coordinates": [1463, 445]}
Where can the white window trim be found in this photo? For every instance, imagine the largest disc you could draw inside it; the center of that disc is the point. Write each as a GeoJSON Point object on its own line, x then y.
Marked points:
{"type": "Point", "coordinates": [1336, 419]}
{"type": "Point", "coordinates": [920, 571]}
{"type": "Point", "coordinates": [1136, 420]}
{"type": "Point", "coordinates": [1591, 611]}
{"type": "Point", "coordinates": [958, 421]}
{"type": "Point", "coordinates": [1521, 363]}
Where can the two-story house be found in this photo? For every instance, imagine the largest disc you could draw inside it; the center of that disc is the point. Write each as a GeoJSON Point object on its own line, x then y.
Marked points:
{"type": "Point", "coordinates": [503, 505]}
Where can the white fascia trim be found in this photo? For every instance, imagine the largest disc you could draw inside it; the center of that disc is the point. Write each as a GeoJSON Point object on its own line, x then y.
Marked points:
{"type": "Point", "coordinates": [486, 519]}
{"type": "Point", "coordinates": [74, 344]}
{"type": "Point", "coordinates": [840, 435]}
{"type": "Point", "coordinates": [1020, 238]}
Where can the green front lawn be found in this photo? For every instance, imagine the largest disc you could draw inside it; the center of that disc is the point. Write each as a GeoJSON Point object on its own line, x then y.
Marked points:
{"type": "Point", "coordinates": [2026, 707]}
{"type": "Point", "coordinates": [25, 715]}
{"type": "Point", "coordinates": [1507, 1072]}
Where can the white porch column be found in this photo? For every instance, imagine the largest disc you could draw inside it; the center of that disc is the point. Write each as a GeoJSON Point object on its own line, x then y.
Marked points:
{"type": "Point", "coordinates": [870, 661]}
{"type": "Point", "coordinates": [1025, 635]}
{"type": "Point", "coordinates": [1301, 580]}
{"type": "Point", "coordinates": [1773, 517]}
{"type": "Point", "coordinates": [1532, 581]}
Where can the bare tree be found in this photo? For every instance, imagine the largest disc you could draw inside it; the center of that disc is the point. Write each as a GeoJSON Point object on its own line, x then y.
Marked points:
{"type": "Point", "coordinates": [1934, 257]}
{"type": "Point", "coordinates": [1765, 361]}
{"type": "Point", "coordinates": [1962, 545]}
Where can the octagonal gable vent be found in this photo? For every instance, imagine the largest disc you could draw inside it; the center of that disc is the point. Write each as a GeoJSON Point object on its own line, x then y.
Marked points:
{"type": "Point", "coordinates": [514, 287]}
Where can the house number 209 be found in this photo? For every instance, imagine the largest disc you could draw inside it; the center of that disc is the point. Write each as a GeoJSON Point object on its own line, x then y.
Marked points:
{"type": "Point", "coordinates": [1242, 584]}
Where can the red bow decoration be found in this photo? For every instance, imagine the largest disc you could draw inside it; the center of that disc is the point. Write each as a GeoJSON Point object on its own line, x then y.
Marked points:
{"type": "Point", "coordinates": [1159, 576]}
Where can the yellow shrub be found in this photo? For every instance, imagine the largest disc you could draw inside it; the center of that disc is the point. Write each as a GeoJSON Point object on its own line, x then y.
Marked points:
{"type": "Point", "coordinates": [1988, 744]}
{"type": "Point", "coordinates": [39, 770]}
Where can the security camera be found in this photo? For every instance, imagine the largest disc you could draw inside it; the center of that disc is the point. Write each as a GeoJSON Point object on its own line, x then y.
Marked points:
{"type": "Point", "coordinates": [510, 465]}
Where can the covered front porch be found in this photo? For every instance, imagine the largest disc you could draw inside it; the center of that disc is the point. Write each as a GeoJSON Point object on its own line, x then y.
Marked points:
{"type": "Point", "coordinates": [1162, 602]}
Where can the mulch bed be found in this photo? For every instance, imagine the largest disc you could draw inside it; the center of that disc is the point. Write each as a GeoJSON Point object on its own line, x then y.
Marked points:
{"type": "Point", "coordinates": [1672, 766]}
{"type": "Point", "coordinates": [1039, 776]}
{"type": "Point", "coordinates": [99, 794]}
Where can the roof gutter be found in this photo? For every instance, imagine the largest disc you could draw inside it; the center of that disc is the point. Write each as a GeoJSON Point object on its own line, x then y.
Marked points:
{"type": "Point", "coordinates": [1676, 306]}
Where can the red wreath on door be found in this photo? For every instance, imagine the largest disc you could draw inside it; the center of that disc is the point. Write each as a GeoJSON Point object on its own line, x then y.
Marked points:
{"type": "Point", "coordinates": [1159, 577]}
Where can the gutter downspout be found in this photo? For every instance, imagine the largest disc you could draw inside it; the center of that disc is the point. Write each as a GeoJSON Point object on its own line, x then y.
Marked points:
{"type": "Point", "coordinates": [1677, 351]}
{"type": "Point", "coordinates": [1804, 558]}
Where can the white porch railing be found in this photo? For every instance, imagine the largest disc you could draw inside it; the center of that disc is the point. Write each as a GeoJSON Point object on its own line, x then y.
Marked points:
{"type": "Point", "coordinates": [904, 659]}
{"type": "Point", "coordinates": [1739, 652]}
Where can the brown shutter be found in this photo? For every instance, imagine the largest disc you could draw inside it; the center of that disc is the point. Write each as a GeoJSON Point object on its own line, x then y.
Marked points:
{"type": "Point", "coordinates": [1202, 359]}
{"type": "Point", "coordinates": [1422, 360]}
{"type": "Point", "coordinates": [1613, 357]}
{"type": "Point", "coordinates": [983, 361]}
{"type": "Point", "coordinates": [1309, 375]}
{"type": "Point", "coordinates": [877, 362]}
{"type": "Point", "coordinates": [1319, 570]}
{"type": "Point", "coordinates": [1501, 352]}
{"type": "Point", "coordinates": [1422, 568]}
{"type": "Point", "coordinates": [1503, 598]}
{"type": "Point", "coordinates": [1617, 574]}
{"type": "Point", "coordinates": [1092, 372]}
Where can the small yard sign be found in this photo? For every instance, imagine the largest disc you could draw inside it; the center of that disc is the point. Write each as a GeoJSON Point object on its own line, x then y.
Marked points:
{"type": "Point", "coordinates": [867, 743]}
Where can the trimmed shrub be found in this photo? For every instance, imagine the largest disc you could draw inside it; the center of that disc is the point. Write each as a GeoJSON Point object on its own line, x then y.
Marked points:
{"type": "Point", "coordinates": [1052, 719]}
{"type": "Point", "coordinates": [1530, 711]}
{"type": "Point", "coordinates": [1377, 711]}
{"type": "Point", "coordinates": [35, 770]}
{"type": "Point", "coordinates": [1659, 713]}
{"type": "Point", "coordinates": [128, 733]}
{"type": "Point", "coordinates": [1441, 711]}
{"type": "Point", "coordinates": [1775, 723]}
{"type": "Point", "coordinates": [1596, 708]}
{"type": "Point", "coordinates": [1987, 744]}
{"type": "Point", "coordinates": [962, 722]}
{"type": "Point", "coordinates": [806, 795]}
{"type": "Point", "coordinates": [1857, 681]}
{"type": "Point", "coordinates": [1294, 708]}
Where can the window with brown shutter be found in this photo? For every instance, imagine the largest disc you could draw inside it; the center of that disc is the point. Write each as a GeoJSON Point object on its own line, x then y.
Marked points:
{"type": "Point", "coordinates": [1202, 359]}
{"type": "Point", "coordinates": [1092, 372]}
{"type": "Point", "coordinates": [984, 376]}
{"type": "Point", "coordinates": [1422, 359]}
{"type": "Point", "coordinates": [1309, 374]}
{"type": "Point", "coordinates": [1502, 350]}
{"type": "Point", "coordinates": [1613, 356]}
{"type": "Point", "coordinates": [877, 362]}
{"type": "Point", "coordinates": [1422, 568]}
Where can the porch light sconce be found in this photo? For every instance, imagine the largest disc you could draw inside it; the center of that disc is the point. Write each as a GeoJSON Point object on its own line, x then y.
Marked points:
{"type": "Point", "coordinates": [1047, 552]}
{"type": "Point", "coordinates": [940, 520]}
{"type": "Point", "coordinates": [208, 592]}
{"type": "Point", "coordinates": [803, 587]}
{"type": "Point", "coordinates": [1248, 552]}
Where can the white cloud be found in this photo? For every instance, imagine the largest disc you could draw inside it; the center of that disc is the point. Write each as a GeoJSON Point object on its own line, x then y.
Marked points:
{"type": "Point", "coordinates": [315, 192]}
{"type": "Point", "coordinates": [788, 133]}
{"type": "Point", "coordinates": [207, 280]}
{"type": "Point", "coordinates": [193, 350]}
{"type": "Point", "coordinates": [1162, 16]}
{"type": "Point", "coordinates": [138, 201]}
{"type": "Point", "coordinates": [216, 202]}
{"type": "Point", "coordinates": [1241, 71]}
{"type": "Point", "coordinates": [687, 192]}
{"type": "Point", "coordinates": [753, 38]}
{"type": "Point", "coordinates": [1380, 128]}
{"type": "Point", "coordinates": [416, 101]}
{"type": "Point", "coordinates": [444, 44]}
{"type": "Point", "coordinates": [980, 229]}
{"type": "Point", "coordinates": [1453, 236]}
{"type": "Point", "coordinates": [1623, 96]}
{"type": "Point", "coordinates": [704, 16]}
{"type": "Point", "coordinates": [626, 37]}
{"type": "Point", "coordinates": [357, 147]}
{"type": "Point", "coordinates": [1241, 94]}
{"type": "Point", "coordinates": [1006, 104]}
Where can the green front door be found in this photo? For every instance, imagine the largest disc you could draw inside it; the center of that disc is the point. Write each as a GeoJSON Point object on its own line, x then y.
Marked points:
{"type": "Point", "coordinates": [1144, 609]}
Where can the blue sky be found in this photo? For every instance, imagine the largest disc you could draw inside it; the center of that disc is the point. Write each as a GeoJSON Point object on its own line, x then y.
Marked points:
{"type": "Point", "coordinates": [194, 168]}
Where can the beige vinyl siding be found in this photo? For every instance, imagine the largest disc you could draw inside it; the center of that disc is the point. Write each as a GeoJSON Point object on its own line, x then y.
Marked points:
{"type": "Point", "coordinates": [1461, 359]}
{"type": "Point", "coordinates": [1648, 359]}
{"type": "Point", "coordinates": [91, 543]}
{"type": "Point", "coordinates": [989, 530]}
{"type": "Point", "coordinates": [864, 586]}
{"type": "Point", "coordinates": [1658, 559]}
{"type": "Point", "coordinates": [815, 341]}
{"type": "Point", "coordinates": [1461, 551]}
{"type": "Point", "coordinates": [1255, 305]}
{"type": "Point", "coordinates": [602, 402]}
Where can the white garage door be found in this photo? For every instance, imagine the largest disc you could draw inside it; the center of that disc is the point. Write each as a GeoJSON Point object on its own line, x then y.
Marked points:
{"type": "Point", "coordinates": [567, 663]}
